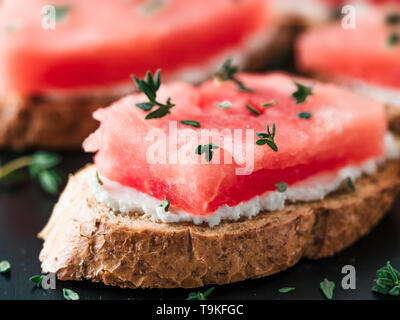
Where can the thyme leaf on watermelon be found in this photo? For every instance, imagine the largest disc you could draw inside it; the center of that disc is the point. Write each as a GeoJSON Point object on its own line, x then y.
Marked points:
{"type": "Point", "coordinates": [224, 104]}
{"type": "Point", "coordinates": [393, 18]}
{"type": "Point", "coordinates": [41, 166]}
{"type": "Point", "coordinates": [301, 93]}
{"type": "Point", "coordinates": [327, 288]}
{"type": "Point", "coordinates": [267, 138]}
{"type": "Point", "coordinates": [350, 184]}
{"type": "Point", "coordinates": [268, 104]}
{"type": "Point", "coordinates": [207, 150]}
{"type": "Point", "coordinates": [61, 12]}
{"type": "Point", "coordinates": [199, 295]}
{"type": "Point", "coordinates": [394, 39]}
{"type": "Point", "coordinates": [227, 73]}
{"type": "Point", "coordinates": [304, 115]}
{"type": "Point", "coordinates": [165, 204]}
{"type": "Point", "coordinates": [388, 281]}
{"type": "Point", "coordinates": [149, 86]}
{"type": "Point", "coordinates": [281, 186]}
{"type": "Point", "coordinates": [252, 109]}
{"type": "Point", "coordinates": [191, 123]}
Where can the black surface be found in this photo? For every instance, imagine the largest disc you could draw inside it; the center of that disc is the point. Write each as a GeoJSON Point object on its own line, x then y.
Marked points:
{"type": "Point", "coordinates": [25, 210]}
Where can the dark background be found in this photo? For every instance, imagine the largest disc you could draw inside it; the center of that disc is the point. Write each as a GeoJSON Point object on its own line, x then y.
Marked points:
{"type": "Point", "coordinates": [24, 210]}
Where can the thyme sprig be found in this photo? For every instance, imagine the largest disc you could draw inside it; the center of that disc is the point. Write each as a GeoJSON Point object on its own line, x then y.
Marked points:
{"type": "Point", "coordinates": [227, 73]}
{"type": "Point", "coordinates": [207, 150]}
{"type": "Point", "coordinates": [388, 281]}
{"type": "Point", "coordinates": [149, 86]}
{"type": "Point", "coordinates": [40, 166]}
{"type": "Point", "coordinates": [199, 295]}
{"type": "Point", "coordinates": [301, 93]}
{"type": "Point", "coordinates": [327, 288]}
{"type": "Point", "coordinates": [267, 138]}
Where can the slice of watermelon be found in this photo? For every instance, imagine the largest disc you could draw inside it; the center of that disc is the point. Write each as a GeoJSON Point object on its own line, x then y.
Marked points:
{"type": "Point", "coordinates": [362, 53]}
{"type": "Point", "coordinates": [100, 43]}
{"type": "Point", "coordinates": [344, 129]}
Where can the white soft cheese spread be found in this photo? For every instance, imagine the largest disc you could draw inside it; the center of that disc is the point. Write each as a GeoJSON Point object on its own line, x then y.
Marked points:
{"type": "Point", "coordinates": [125, 199]}
{"type": "Point", "coordinates": [382, 94]}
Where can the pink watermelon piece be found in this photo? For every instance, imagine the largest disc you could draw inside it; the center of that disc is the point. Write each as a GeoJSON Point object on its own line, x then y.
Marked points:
{"type": "Point", "coordinates": [344, 129]}
{"type": "Point", "coordinates": [100, 43]}
{"type": "Point", "coordinates": [362, 53]}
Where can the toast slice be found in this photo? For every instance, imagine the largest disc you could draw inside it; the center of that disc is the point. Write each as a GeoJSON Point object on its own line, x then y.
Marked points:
{"type": "Point", "coordinates": [87, 240]}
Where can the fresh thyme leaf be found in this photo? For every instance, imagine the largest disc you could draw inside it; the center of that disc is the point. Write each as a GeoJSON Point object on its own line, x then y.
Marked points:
{"type": "Point", "coordinates": [191, 123]}
{"type": "Point", "coordinates": [286, 289]}
{"type": "Point", "coordinates": [224, 104]}
{"type": "Point", "coordinates": [304, 115]}
{"type": "Point", "coordinates": [327, 288]}
{"type": "Point", "coordinates": [98, 178]}
{"type": "Point", "coordinates": [37, 279]}
{"type": "Point", "coordinates": [61, 12]}
{"type": "Point", "coordinates": [268, 104]}
{"type": "Point", "coordinates": [394, 39]}
{"type": "Point", "coordinates": [70, 294]}
{"type": "Point", "coordinates": [350, 184]}
{"type": "Point", "coordinates": [393, 18]}
{"type": "Point", "coordinates": [149, 87]}
{"type": "Point", "coordinates": [227, 73]}
{"type": "Point", "coordinates": [165, 204]}
{"type": "Point", "coordinates": [301, 93]}
{"type": "Point", "coordinates": [267, 138]}
{"type": "Point", "coordinates": [5, 266]}
{"type": "Point", "coordinates": [200, 296]}
{"type": "Point", "coordinates": [281, 186]}
{"type": "Point", "coordinates": [388, 281]}
{"type": "Point", "coordinates": [252, 109]}
{"type": "Point", "coordinates": [207, 150]}
{"type": "Point", "coordinates": [40, 166]}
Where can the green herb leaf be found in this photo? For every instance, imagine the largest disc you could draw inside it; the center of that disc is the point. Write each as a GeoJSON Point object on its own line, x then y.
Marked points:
{"type": "Point", "coordinates": [301, 93]}
{"type": "Point", "coordinates": [149, 87]}
{"type": "Point", "coordinates": [5, 266]}
{"type": "Point", "coordinates": [70, 294]}
{"type": "Point", "coordinates": [150, 7]}
{"type": "Point", "coordinates": [200, 296]}
{"type": "Point", "coordinates": [350, 184]}
{"type": "Point", "coordinates": [281, 186]}
{"type": "Point", "coordinates": [61, 12]}
{"type": "Point", "coordinates": [268, 104]}
{"type": "Point", "coordinates": [286, 289]}
{"type": "Point", "coordinates": [304, 115]}
{"type": "Point", "coordinates": [252, 109]}
{"type": "Point", "coordinates": [228, 72]}
{"type": "Point", "coordinates": [393, 18]}
{"type": "Point", "coordinates": [165, 204]}
{"type": "Point", "coordinates": [49, 180]}
{"type": "Point", "coordinates": [394, 39]}
{"type": "Point", "coordinates": [224, 104]}
{"type": "Point", "coordinates": [37, 280]}
{"type": "Point", "coordinates": [207, 150]}
{"type": "Point", "coordinates": [191, 123]}
{"type": "Point", "coordinates": [267, 138]}
{"type": "Point", "coordinates": [388, 281]}
{"type": "Point", "coordinates": [327, 288]}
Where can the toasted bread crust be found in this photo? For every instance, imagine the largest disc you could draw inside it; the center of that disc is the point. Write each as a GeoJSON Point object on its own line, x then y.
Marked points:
{"type": "Point", "coordinates": [85, 239]}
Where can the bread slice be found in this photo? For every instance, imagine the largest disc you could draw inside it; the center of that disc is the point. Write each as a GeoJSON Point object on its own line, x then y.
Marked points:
{"type": "Point", "coordinates": [87, 240]}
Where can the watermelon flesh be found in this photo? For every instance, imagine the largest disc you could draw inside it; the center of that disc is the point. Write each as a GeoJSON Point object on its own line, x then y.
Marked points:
{"type": "Point", "coordinates": [345, 129]}
{"type": "Point", "coordinates": [100, 43]}
{"type": "Point", "coordinates": [359, 54]}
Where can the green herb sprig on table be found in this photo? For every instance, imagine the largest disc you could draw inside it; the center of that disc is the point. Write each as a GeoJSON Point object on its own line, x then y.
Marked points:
{"type": "Point", "coordinates": [5, 266]}
{"type": "Point", "coordinates": [388, 281]}
{"type": "Point", "coordinates": [267, 138]}
{"type": "Point", "coordinates": [37, 280]}
{"type": "Point", "coordinates": [41, 166]}
{"type": "Point", "coordinates": [149, 86]}
{"type": "Point", "coordinates": [327, 288]}
{"type": "Point", "coordinates": [199, 295]}
{"type": "Point", "coordinates": [286, 289]}
{"type": "Point", "coordinates": [70, 294]}
{"type": "Point", "coordinates": [227, 73]}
